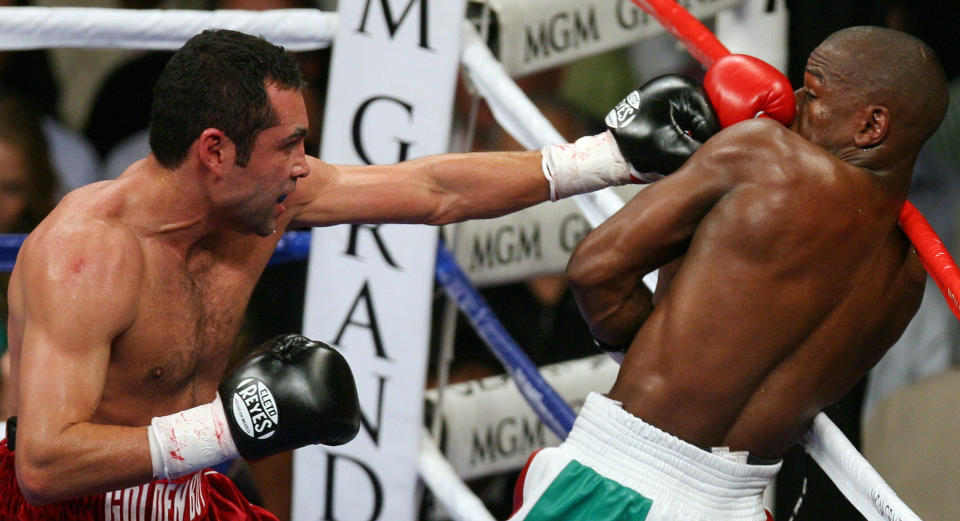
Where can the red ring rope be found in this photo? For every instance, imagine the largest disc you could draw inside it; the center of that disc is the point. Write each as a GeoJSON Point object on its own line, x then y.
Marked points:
{"type": "Point", "coordinates": [707, 49]}
{"type": "Point", "coordinates": [701, 43]}
{"type": "Point", "coordinates": [934, 255]}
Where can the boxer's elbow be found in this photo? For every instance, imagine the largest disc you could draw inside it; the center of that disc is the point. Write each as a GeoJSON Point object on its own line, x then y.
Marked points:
{"type": "Point", "coordinates": [591, 291]}
{"type": "Point", "coordinates": [40, 482]}
{"type": "Point", "coordinates": [579, 275]}
{"type": "Point", "coordinates": [611, 303]}
{"type": "Point", "coordinates": [37, 485]}
{"type": "Point", "coordinates": [590, 269]}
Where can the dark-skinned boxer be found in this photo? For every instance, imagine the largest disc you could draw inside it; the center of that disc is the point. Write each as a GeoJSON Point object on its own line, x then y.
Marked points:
{"type": "Point", "coordinates": [783, 277]}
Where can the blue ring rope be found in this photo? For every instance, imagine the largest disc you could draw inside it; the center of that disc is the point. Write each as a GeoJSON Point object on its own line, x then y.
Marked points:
{"type": "Point", "coordinates": [549, 406]}
{"type": "Point", "coordinates": [544, 400]}
{"type": "Point", "coordinates": [9, 246]}
{"type": "Point", "coordinates": [293, 246]}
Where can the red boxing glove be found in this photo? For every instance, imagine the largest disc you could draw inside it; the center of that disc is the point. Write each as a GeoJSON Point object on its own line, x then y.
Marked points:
{"type": "Point", "coordinates": [742, 87]}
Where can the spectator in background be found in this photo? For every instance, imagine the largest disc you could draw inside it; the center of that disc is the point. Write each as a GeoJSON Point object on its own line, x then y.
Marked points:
{"type": "Point", "coordinates": [27, 180]}
{"type": "Point", "coordinates": [27, 191]}
{"type": "Point", "coordinates": [120, 113]}
{"type": "Point", "coordinates": [29, 75]}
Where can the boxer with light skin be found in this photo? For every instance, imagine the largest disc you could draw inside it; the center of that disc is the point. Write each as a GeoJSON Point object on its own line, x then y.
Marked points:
{"type": "Point", "coordinates": [783, 277]}
{"type": "Point", "coordinates": [126, 301]}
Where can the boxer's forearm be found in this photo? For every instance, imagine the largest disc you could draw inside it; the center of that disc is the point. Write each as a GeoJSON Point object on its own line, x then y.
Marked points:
{"type": "Point", "coordinates": [431, 190]}
{"type": "Point", "coordinates": [470, 186]}
{"type": "Point", "coordinates": [81, 460]}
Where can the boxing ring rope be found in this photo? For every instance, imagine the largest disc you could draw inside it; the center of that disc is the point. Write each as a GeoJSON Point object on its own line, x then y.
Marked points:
{"type": "Point", "coordinates": [23, 27]}
{"type": "Point", "coordinates": [157, 29]}
{"type": "Point", "coordinates": [547, 403]}
{"type": "Point", "coordinates": [440, 476]}
{"type": "Point", "coordinates": [694, 36]}
{"type": "Point", "coordinates": [934, 255]}
{"type": "Point", "coordinates": [9, 246]}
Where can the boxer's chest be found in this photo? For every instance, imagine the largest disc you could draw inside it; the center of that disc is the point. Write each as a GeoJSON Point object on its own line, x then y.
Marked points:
{"type": "Point", "coordinates": [186, 328]}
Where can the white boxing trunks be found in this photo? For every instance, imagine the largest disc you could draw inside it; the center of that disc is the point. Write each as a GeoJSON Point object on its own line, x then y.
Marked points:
{"type": "Point", "coordinates": [615, 466]}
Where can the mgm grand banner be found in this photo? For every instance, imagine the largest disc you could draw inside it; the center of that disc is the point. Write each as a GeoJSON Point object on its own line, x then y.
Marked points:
{"type": "Point", "coordinates": [532, 35]}
{"type": "Point", "coordinates": [524, 244]}
{"type": "Point", "coordinates": [487, 426]}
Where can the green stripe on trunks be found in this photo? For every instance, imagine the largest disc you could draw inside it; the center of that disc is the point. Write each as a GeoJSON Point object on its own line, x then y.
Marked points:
{"type": "Point", "coordinates": [579, 493]}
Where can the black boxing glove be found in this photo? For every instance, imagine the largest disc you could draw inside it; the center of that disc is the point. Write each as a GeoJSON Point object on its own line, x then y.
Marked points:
{"type": "Point", "coordinates": [660, 125]}
{"type": "Point", "coordinates": [291, 392]}
{"type": "Point", "coordinates": [651, 133]}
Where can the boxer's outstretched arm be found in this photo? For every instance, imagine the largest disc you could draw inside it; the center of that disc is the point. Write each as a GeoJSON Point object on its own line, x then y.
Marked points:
{"type": "Point", "coordinates": [651, 133]}
{"type": "Point", "coordinates": [431, 190]}
{"type": "Point", "coordinates": [79, 284]}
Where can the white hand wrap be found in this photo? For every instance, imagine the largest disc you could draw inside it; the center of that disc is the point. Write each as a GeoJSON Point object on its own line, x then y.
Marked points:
{"type": "Point", "coordinates": [190, 440]}
{"type": "Point", "coordinates": [590, 163]}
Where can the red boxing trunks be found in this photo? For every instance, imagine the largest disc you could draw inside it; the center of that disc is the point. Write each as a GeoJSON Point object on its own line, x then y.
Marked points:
{"type": "Point", "coordinates": [204, 495]}
{"type": "Point", "coordinates": [615, 466]}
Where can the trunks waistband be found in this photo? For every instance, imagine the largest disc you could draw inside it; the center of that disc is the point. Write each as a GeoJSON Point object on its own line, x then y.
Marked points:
{"type": "Point", "coordinates": [657, 464]}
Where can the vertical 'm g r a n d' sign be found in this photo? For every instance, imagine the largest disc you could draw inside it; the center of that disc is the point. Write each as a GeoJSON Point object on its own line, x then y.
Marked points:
{"type": "Point", "coordinates": [369, 288]}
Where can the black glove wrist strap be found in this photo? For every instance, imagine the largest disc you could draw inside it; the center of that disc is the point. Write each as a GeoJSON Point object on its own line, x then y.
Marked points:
{"type": "Point", "coordinates": [603, 346]}
{"type": "Point", "coordinates": [12, 433]}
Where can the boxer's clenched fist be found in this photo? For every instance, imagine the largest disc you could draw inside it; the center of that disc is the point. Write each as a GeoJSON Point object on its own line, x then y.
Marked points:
{"type": "Point", "coordinates": [291, 392]}
{"type": "Point", "coordinates": [651, 133]}
{"type": "Point", "coordinates": [742, 87]}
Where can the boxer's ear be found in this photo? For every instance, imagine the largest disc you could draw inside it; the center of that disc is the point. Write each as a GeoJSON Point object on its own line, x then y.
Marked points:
{"type": "Point", "coordinates": [873, 127]}
{"type": "Point", "coordinates": [215, 151]}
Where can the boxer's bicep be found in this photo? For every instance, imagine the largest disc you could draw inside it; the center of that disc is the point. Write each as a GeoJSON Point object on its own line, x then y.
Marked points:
{"type": "Point", "coordinates": [657, 225]}
{"type": "Point", "coordinates": [80, 293]}
{"type": "Point", "coordinates": [651, 230]}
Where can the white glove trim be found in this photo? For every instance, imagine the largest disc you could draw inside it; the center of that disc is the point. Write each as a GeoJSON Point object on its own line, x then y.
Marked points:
{"type": "Point", "coordinates": [190, 440]}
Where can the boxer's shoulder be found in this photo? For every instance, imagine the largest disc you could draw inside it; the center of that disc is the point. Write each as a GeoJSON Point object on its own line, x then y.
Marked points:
{"type": "Point", "coordinates": [762, 151]}
{"type": "Point", "coordinates": [755, 135]}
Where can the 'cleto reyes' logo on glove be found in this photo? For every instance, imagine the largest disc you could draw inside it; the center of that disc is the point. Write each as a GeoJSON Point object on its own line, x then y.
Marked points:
{"type": "Point", "coordinates": [255, 409]}
{"type": "Point", "coordinates": [624, 112]}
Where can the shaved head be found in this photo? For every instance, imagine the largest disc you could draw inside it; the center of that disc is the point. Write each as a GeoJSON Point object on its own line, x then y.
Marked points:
{"type": "Point", "coordinates": [894, 69]}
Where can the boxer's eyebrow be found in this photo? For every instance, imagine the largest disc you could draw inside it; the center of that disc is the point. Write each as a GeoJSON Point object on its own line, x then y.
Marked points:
{"type": "Point", "coordinates": [295, 136]}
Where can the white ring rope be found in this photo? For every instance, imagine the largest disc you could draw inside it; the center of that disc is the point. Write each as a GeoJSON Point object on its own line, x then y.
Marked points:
{"type": "Point", "coordinates": [307, 29]}
{"type": "Point", "coordinates": [440, 477]}
{"type": "Point", "coordinates": [520, 118]}
{"type": "Point", "coordinates": [157, 29]}
{"type": "Point", "coordinates": [853, 474]}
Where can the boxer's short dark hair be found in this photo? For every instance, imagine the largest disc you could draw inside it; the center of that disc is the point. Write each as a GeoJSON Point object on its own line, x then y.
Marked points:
{"type": "Point", "coordinates": [218, 79]}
